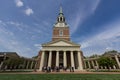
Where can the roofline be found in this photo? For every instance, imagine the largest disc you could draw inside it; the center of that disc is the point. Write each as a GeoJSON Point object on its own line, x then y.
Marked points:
{"type": "Point", "coordinates": [76, 45]}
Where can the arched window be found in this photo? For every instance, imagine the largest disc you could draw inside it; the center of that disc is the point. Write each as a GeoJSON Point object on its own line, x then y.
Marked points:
{"type": "Point", "coordinates": [60, 32]}
{"type": "Point", "coordinates": [60, 18]}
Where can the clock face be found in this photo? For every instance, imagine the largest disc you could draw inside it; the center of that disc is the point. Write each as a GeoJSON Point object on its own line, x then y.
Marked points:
{"type": "Point", "coordinates": [61, 24]}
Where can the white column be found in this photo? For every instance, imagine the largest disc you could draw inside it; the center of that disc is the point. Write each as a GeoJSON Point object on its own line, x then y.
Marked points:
{"type": "Point", "coordinates": [93, 64]}
{"type": "Point", "coordinates": [50, 59]}
{"type": "Point", "coordinates": [1, 65]}
{"type": "Point", "coordinates": [110, 67]}
{"type": "Point", "coordinates": [24, 63]}
{"type": "Point", "coordinates": [35, 66]}
{"type": "Point", "coordinates": [105, 67]}
{"type": "Point", "coordinates": [101, 67]}
{"type": "Point", "coordinates": [32, 64]}
{"type": "Point", "coordinates": [42, 60]}
{"type": "Point", "coordinates": [64, 59]}
{"type": "Point", "coordinates": [80, 61]}
{"type": "Point", "coordinates": [97, 64]}
{"type": "Point", "coordinates": [114, 67]}
{"type": "Point", "coordinates": [57, 58]}
{"type": "Point", "coordinates": [72, 59]}
{"type": "Point", "coordinates": [117, 60]}
{"type": "Point", "coordinates": [89, 65]}
{"type": "Point", "coordinates": [28, 64]}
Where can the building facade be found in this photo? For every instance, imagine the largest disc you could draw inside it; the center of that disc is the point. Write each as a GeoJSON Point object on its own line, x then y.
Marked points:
{"type": "Point", "coordinates": [61, 52]}
{"type": "Point", "coordinates": [92, 63]}
{"type": "Point", "coordinates": [12, 61]}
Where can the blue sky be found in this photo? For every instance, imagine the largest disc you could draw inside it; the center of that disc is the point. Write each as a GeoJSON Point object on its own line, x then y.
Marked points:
{"type": "Point", "coordinates": [26, 24]}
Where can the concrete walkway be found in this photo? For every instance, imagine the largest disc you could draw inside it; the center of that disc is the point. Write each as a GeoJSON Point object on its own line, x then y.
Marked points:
{"type": "Point", "coordinates": [79, 72]}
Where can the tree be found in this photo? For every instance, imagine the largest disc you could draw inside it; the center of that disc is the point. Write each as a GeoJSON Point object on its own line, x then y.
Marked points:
{"type": "Point", "coordinates": [110, 53]}
{"type": "Point", "coordinates": [94, 56]}
{"type": "Point", "coordinates": [106, 61]}
{"type": "Point", "coordinates": [35, 57]}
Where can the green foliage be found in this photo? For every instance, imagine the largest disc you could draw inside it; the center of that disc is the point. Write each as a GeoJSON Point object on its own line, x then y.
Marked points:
{"type": "Point", "coordinates": [110, 53]}
{"type": "Point", "coordinates": [94, 56]}
{"type": "Point", "coordinates": [35, 57]}
{"type": "Point", "coordinates": [106, 61]}
{"type": "Point", "coordinates": [113, 51]}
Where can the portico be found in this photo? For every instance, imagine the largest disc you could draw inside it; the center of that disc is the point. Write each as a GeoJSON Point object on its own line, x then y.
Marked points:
{"type": "Point", "coordinates": [54, 55]}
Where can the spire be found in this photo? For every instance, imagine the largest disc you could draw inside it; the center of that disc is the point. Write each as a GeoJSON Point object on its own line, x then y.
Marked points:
{"type": "Point", "coordinates": [61, 11]}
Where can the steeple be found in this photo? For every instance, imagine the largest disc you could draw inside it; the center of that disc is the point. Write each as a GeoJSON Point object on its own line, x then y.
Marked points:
{"type": "Point", "coordinates": [61, 19]}
{"type": "Point", "coordinates": [61, 29]}
{"type": "Point", "coordinates": [61, 11]}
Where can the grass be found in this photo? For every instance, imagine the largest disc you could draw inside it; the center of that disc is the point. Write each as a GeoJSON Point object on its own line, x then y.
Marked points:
{"type": "Point", "coordinates": [59, 76]}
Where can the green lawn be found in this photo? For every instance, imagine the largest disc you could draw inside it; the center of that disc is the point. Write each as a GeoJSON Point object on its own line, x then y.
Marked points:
{"type": "Point", "coordinates": [59, 76]}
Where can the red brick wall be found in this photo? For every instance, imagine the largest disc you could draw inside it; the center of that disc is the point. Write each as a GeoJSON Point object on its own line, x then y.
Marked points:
{"type": "Point", "coordinates": [38, 59]}
{"type": "Point", "coordinates": [65, 36]}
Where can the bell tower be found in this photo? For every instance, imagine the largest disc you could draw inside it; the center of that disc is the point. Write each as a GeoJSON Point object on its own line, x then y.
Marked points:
{"type": "Point", "coordinates": [61, 29]}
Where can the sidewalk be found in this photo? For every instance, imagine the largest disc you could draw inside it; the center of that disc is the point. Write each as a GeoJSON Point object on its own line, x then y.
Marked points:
{"type": "Point", "coordinates": [67, 72]}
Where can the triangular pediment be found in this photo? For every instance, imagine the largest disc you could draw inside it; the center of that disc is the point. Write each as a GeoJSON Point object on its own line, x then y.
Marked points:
{"type": "Point", "coordinates": [60, 43]}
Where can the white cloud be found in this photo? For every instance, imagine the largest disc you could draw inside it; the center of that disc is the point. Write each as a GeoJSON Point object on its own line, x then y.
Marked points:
{"type": "Point", "coordinates": [11, 44]}
{"type": "Point", "coordinates": [83, 13]}
{"type": "Point", "coordinates": [108, 48]}
{"type": "Point", "coordinates": [19, 26]}
{"type": "Point", "coordinates": [106, 34]}
{"type": "Point", "coordinates": [9, 40]}
{"type": "Point", "coordinates": [28, 11]}
{"type": "Point", "coordinates": [95, 5]}
{"type": "Point", "coordinates": [107, 39]}
{"type": "Point", "coordinates": [39, 46]}
{"type": "Point", "coordinates": [19, 3]}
